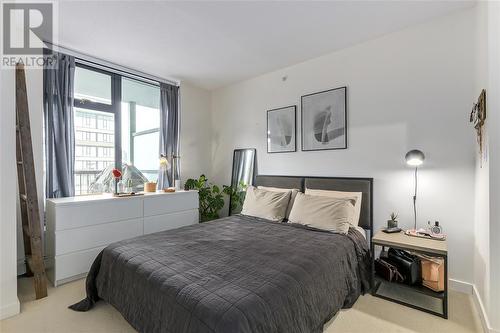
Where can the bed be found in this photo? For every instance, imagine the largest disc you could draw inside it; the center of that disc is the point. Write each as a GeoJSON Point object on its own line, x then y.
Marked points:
{"type": "Point", "coordinates": [237, 274]}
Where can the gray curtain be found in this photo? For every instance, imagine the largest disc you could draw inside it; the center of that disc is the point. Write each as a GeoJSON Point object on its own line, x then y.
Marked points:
{"type": "Point", "coordinates": [169, 133]}
{"type": "Point", "coordinates": [58, 79]}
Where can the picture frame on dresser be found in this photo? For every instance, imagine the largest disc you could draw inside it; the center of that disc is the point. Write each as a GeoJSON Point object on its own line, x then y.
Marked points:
{"type": "Point", "coordinates": [324, 120]}
{"type": "Point", "coordinates": [282, 130]}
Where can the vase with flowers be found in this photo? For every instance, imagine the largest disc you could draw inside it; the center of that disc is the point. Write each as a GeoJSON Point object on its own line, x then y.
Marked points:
{"type": "Point", "coordinates": [117, 174]}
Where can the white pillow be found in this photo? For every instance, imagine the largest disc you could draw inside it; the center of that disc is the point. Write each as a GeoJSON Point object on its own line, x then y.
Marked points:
{"type": "Point", "coordinates": [342, 195]}
{"type": "Point", "coordinates": [293, 193]}
{"type": "Point", "coordinates": [322, 212]}
{"type": "Point", "coordinates": [266, 204]}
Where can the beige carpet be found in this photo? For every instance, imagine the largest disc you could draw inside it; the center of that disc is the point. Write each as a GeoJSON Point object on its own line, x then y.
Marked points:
{"type": "Point", "coordinates": [369, 314]}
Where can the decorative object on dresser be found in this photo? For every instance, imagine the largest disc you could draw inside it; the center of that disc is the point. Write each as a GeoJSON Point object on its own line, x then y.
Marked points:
{"type": "Point", "coordinates": [150, 187]}
{"type": "Point", "coordinates": [415, 158]}
{"type": "Point", "coordinates": [78, 228]}
{"type": "Point", "coordinates": [164, 166]}
{"type": "Point", "coordinates": [324, 120]}
{"type": "Point", "coordinates": [117, 174]}
{"type": "Point", "coordinates": [242, 175]}
{"type": "Point", "coordinates": [477, 118]}
{"type": "Point", "coordinates": [428, 292]}
{"type": "Point", "coordinates": [281, 130]}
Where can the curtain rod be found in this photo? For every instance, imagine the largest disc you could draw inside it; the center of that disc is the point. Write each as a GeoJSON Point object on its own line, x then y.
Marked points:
{"type": "Point", "coordinates": [113, 67]}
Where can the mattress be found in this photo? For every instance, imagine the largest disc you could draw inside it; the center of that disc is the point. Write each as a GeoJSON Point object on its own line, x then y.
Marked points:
{"type": "Point", "coordinates": [236, 274]}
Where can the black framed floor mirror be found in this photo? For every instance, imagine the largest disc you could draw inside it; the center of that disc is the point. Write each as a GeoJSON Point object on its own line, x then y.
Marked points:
{"type": "Point", "coordinates": [242, 175]}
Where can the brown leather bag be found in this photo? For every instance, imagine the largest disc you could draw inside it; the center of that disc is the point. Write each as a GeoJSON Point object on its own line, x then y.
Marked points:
{"type": "Point", "coordinates": [387, 271]}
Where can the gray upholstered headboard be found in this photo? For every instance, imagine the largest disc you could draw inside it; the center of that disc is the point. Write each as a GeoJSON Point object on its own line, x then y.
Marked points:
{"type": "Point", "coordinates": [347, 184]}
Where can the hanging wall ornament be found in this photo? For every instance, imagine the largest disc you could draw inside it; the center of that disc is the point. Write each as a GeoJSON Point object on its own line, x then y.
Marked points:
{"type": "Point", "coordinates": [477, 118]}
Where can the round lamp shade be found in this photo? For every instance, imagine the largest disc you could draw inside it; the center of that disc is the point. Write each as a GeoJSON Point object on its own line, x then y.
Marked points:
{"type": "Point", "coordinates": [414, 157]}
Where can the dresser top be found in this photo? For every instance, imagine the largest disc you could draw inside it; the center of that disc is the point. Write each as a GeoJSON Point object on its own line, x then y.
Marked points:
{"type": "Point", "coordinates": [409, 242]}
{"type": "Point", "coordinates": [108, 196]}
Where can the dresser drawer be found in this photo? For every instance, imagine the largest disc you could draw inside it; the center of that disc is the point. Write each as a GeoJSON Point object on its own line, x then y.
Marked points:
{"type": "Point", "coordinates": [87, 214]}
{"type": "Point", "coordinates": [170, 203]}
{"type": "Point", "coordinates": [170, 221]}
{"type": "Point", "coordinates": [73, 240]}
{"type": "Point", "coordinates": [72, 265]}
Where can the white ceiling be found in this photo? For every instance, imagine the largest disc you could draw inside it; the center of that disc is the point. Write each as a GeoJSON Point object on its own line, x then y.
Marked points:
{"type": "Point", "coordinates": [213, 44]}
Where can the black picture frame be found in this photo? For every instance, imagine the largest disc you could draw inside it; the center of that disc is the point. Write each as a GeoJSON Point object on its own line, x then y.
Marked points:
{"type": "Point", "coordinates": [294, 130]}
{"type": "Point", "coordinates": [303, 130]}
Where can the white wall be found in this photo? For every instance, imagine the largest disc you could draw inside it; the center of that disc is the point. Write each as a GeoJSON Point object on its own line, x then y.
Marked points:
{"type": "Point", "coordinates": [11, 246]}
{"type": "Point", "coordinates": [493, 121]}
{"type": "Point", "coordinates": [487, 192]}
{"type": "Point", "coordinates": [9, 304]}
{"type": "Point", "coordinates": [410, 89]}
{"type": "Point", "coordinates": [34, 81]}
{"type": "Point", "coordinates": [196, 132]}
{"type": "Point", "coordinates": [481, 203]}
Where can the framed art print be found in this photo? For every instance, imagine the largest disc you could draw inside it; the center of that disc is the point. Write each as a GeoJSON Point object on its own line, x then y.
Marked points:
{"type": "Point", "coordinates": [281, 130]}
{"type": "Point", "coordinates": [324, 120]}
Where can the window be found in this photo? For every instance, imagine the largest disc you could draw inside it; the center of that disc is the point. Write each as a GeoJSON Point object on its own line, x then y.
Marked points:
{"type": "Point", "coordinates": [116, 125]}
{"type": "Point", "coordinates": [92, 85]}
{"type": "Point", "coordinates": [141, 121]}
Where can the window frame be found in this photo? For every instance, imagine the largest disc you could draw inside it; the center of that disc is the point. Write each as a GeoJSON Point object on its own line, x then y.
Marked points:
{"type": "Point", "coordinates": [113, 108]}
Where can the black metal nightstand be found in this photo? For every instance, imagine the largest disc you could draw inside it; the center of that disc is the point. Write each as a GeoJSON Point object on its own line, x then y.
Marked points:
{"type": "Point", "coordinates": [417, 297]}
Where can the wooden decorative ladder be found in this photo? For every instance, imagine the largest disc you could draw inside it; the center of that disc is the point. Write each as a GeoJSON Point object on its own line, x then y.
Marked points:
{"type": "Point", "coordinates": [30, 214]}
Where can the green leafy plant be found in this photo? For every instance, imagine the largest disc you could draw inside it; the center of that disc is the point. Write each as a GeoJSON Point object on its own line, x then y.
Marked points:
{"type": "Point", "coordinates": [393, 222]}
{"type": "Point", "coordinates": [237, 196]}
{"type": "Point", "coordinates": [210, 196]}
{"type": "Point", "coordinates": [394, 217]}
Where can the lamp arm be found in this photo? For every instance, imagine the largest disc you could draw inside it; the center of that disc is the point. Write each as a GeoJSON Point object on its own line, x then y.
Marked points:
{"type": "Point", "coordinates": [415, 199]}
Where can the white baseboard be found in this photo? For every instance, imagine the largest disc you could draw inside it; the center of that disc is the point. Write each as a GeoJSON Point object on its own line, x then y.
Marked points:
{"type": "Point", "coordinates": [460, 286]}
{"type": "Point", "coordinates": [482, 312]}
{"type": "Point", "coordinates": [10, 310]}
{"type": "Point", "coordinates": [470, 289]}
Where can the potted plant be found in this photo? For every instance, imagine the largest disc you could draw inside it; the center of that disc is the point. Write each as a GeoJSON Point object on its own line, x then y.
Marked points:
{"type": "Point", "coordinates": [210, 196]}
{"type": "Point", "coordinates": [393, 222]}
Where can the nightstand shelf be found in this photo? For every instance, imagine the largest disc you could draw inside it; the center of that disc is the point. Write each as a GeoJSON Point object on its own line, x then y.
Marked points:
{"type": "Point", "coordinates": [417, 289]}
{"type": "Point", "coordinates": [417, 297]}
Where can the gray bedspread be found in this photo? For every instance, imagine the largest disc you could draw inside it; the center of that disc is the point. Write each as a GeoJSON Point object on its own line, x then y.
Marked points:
{"type": "Point", "coordinates": [236, 274]}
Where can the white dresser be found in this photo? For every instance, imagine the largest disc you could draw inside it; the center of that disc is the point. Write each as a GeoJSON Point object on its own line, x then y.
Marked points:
{"type": "Point", "coordinates": [78, 228]}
